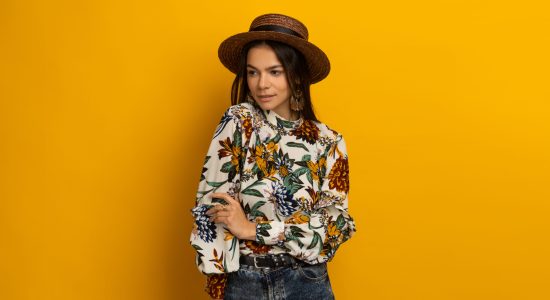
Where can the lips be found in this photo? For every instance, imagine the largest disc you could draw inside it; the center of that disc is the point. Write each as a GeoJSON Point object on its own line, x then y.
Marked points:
{"type": "Point", "coordinates": [265, 97]}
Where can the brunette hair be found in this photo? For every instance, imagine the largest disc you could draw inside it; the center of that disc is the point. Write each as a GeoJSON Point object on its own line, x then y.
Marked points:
{"type": "Point", "coordinates": [296, 71]}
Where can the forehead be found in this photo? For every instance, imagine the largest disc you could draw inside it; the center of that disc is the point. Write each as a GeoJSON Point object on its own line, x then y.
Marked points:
{"type": "Point", "coordinates": [262, 57]}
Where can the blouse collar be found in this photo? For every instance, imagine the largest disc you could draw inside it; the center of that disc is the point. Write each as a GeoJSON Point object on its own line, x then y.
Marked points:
{"type": "Point", "coordinates": [278, 122]}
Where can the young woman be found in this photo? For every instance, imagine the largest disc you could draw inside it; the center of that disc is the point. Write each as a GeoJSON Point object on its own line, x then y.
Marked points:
{"type": "Point", "coordinates": [272, 203]}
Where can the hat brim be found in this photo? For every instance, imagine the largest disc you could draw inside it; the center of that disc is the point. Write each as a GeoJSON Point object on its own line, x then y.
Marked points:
{"type": "Point", "coordinates": [230, 50]}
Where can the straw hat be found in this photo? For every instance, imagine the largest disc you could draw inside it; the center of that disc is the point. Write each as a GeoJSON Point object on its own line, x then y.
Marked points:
{"type": "Point", "coordinates": [279, 28]}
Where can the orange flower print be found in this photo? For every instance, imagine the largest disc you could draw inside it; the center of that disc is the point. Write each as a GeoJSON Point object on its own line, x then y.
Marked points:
{"type": "Point", "coordinates": [247, 127]}
{"type": "Point", "coordinates": [322, 162]}
{"type": "Point", "coordinates": [314, 198]}
{"type": "Point", "coordinates": [339, 175]}
{"type": "Point", "coordinates": [298, 218]}
{"type": "Point", "coordinates": [283, 171]}
{"type": "Point", "coordinates": [314, 170]}
{"type": "Point", "coordinates": [307, 131]}
{"type": "Point", "coordinates": [272, 147]}
{"type": "Point", "coordinates": [228, 236]}
{"type": "Point", "coordinates": [235, 157]}
{"type": "Point", "coordinates": [218, 261]}
{"type": "Point", "coordinates": [332, 230]}
{"type": "Point", "coordinates": [215, 285]}
{"type": "Point", "coordinates": [228, 149]}
{"type": "Point", "coordinates": [263, 155]}
{"type": "Point", "coordinates": [257, 248]}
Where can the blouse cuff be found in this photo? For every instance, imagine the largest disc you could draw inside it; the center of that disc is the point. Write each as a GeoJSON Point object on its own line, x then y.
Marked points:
{"type": "Point", "coordinates": [270, 232]}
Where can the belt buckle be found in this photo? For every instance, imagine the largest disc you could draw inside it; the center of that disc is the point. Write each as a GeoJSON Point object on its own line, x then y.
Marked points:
{"type": "Point", "coordinates": [256, 262]}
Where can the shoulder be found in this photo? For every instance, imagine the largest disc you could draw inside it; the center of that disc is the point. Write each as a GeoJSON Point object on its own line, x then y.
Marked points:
{"type": "Point", "coordinates": [331, 140]}
{"type": "Point", "coordinates": [241, 114]}
{"type": "Point", "coordinates": [241, 117]}
{"type": "Point", "coordinates": [240, 111]}
{"type": "Point", "coordinates": [327, 133]}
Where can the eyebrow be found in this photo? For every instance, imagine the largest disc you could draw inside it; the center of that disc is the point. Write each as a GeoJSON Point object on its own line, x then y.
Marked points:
{"type": "Point", "coordinates": [269, 68]}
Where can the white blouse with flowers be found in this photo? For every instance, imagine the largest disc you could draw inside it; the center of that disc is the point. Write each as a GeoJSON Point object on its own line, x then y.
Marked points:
{"type": "Point", "coordinates": [291, 178]}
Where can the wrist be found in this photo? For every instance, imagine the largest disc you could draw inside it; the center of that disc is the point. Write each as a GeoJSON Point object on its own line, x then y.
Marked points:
{"type": "Point", "coordinates": [249, 231]}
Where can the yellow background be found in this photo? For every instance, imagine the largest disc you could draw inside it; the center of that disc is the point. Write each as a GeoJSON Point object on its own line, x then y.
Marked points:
{"type": "Point", "coordinates": [107, 109]}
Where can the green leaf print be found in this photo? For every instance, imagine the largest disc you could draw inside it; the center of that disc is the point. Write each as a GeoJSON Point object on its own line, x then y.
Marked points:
{"type": "Point", "coordinates": [226, 167]}
{"type": "Point", "coordinates": [252, 192]}
{"type": "Point", "coordinates": [257, 205]}
{"type": "Point", "coordinates": [297, 145]}
{"type": "Point", "coordinates": [316, 240]}
{"type": "Point", "coordinates": [233, 244]}
{"type": "Point", "coordinates": [261, 240]}
{"type": "Point", "coordinates": [237, 138]}
{"type": "Point", "coordinates": [256, 183]}
{"type": "Point", "coordinates": [340, 222]}
{"type": "Point", "coordinates": [284, 123]}
{"type": "Point", "coordinates": [263, 229]}
{"type": "Point", "coordinates": [309, 178]}
{"type": "Point", "coordinates": [293, 188]}
{"type": "Point", "coordinates": [296, 231]}
{"type": "Point", "coordinates": [275, 139]}
{"type": "Point", "coordinates": [254, 212]}
{"type": "Point", "coordinates": [299, 172]}
{"type": "Point", "coordinates": [215, 184]}
{"type": "Point", "coordinates": [294, 235]}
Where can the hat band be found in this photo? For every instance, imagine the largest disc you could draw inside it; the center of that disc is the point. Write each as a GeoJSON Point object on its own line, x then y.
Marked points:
{"type": "Point", "coordinates": [277, 28]}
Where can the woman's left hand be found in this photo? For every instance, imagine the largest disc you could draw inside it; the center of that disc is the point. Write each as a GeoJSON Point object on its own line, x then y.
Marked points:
{"type": "Point", "coordinates": [232, 215]}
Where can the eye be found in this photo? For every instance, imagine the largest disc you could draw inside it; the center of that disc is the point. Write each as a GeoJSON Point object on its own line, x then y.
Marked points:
{"type": "Point", "coordinates": [251, 72]}
{"type": "Point", "coordinates": [276, 72]}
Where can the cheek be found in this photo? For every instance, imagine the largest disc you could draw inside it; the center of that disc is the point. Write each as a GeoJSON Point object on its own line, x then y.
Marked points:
{"type": "Point", "coordinates": [251, 81]}
{"type": "Point", "coordinates": [284, 86]}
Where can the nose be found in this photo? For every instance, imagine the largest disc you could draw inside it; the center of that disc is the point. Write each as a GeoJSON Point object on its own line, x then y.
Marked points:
{"type": "Point", "coordinates": [263, 82]}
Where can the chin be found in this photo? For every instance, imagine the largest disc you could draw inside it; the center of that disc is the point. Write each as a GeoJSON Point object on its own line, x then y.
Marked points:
{"type": "Point", "coordinates": [265, 106]}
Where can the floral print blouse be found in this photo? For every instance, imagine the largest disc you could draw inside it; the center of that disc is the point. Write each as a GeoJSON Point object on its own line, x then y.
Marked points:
{"type": "Point", "coordinates": [291, 178]}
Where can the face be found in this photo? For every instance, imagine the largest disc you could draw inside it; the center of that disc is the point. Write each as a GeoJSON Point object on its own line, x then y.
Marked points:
{"type": "Point", "coordinates": [267, 80]}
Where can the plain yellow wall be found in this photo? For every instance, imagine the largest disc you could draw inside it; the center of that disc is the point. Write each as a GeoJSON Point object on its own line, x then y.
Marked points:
{"type": "Point", "coordinates": [107, 109]}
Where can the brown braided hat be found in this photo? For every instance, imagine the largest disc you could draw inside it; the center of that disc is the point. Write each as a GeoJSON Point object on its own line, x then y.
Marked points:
{"type": "Point", "coordinates": [281, 28]}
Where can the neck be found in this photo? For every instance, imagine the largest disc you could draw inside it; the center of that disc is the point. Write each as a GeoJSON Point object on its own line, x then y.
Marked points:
{"type": "Point", "coordinates": [289, 115]}
{"type": "Point", "coordinates": [293, 116]}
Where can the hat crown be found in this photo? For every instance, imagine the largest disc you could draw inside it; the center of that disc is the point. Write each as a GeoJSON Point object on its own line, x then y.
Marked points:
{"type": "Point", "coordinates": [281, 21]}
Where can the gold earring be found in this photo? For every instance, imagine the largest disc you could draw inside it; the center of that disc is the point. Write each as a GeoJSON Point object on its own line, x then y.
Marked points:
{"type": "Point", "coordinates": [297, 101]}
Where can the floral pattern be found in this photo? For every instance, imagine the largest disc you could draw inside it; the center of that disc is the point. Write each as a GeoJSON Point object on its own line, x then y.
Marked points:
{"type": "Point", "coordinates": [292, 179]}
{"type": "Point", "coordinates": [203, 227]}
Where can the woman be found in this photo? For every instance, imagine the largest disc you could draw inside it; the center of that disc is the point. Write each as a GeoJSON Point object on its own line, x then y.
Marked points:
{"type": "Point", "coordinates": [272, 201]}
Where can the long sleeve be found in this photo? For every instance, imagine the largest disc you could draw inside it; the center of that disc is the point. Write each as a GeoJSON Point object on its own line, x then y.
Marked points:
{"type": "Point", "coordinates": [217, 249]}
{"type": "Point", "coordinates": [316, 230]}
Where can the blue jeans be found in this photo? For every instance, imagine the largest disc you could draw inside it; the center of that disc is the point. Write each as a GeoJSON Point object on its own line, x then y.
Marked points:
{"type": "Point", "coordinates": [294, 282]}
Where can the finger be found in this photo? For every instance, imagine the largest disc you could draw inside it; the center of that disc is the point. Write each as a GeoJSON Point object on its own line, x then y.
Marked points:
{"type": "Point", "coordinates": [220, 195]}
{"type": "Point", "coordinates": [221, 214]}
{"type": "Point", "coordinates": [225, 197]}
{"type": "Point", "coordinates": [221, 211]}
{"type": "Point", "coordinates": [215, 209]}
{"type": "Point", "coordinates": [230, 200]}
{"type": "Point", "coordinates": [219, 220]}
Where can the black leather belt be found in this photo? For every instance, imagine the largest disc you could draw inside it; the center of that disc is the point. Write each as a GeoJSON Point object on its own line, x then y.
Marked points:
{"type": "Point", "coordinates": [269, 261]}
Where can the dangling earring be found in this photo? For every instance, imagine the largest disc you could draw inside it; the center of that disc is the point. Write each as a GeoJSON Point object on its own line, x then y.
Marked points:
{"type": "Point", "coordinates": [249, 99]}
{"type": "Point", "coordinates": [297, 101]}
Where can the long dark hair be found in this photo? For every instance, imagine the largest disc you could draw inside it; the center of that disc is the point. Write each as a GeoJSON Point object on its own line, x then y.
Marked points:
{"type": "Point", "coordinates": [296, 71]}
